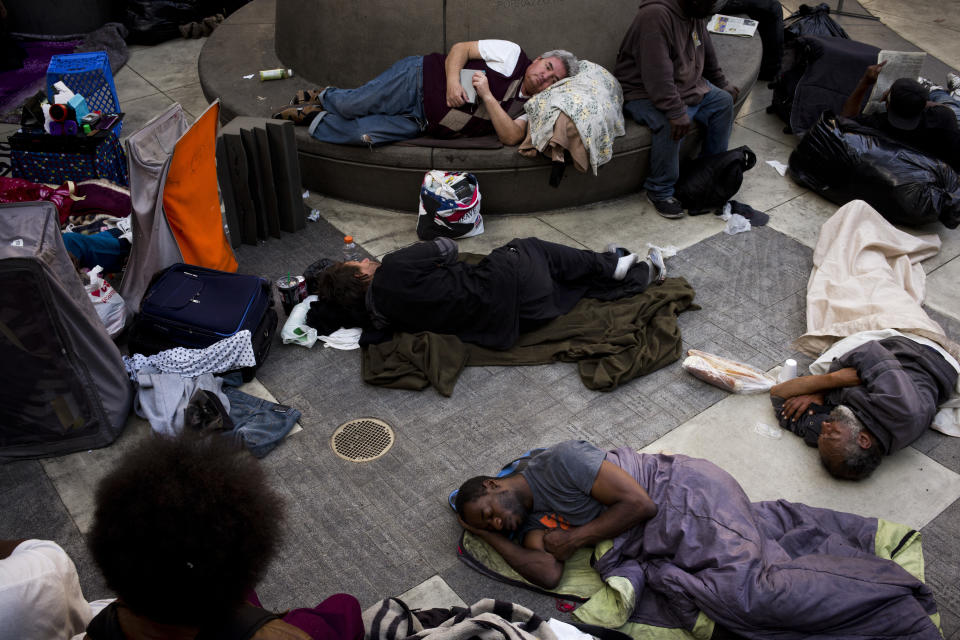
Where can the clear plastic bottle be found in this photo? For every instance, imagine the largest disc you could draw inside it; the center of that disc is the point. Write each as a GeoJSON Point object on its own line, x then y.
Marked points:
{"type": "Point", "coordinates": [350, 249]}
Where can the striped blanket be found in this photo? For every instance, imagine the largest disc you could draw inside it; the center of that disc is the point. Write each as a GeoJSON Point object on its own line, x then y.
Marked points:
{"type": "Point", "coordinates": [488, 619]}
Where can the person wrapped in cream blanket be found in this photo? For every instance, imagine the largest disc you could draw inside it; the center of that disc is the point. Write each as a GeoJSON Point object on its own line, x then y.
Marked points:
{"type": "Point", "coordinates": [886, 372]}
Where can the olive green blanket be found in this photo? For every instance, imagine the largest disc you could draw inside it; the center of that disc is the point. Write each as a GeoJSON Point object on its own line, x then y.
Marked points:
{"type": "Point", "coordinates": [613, 342]}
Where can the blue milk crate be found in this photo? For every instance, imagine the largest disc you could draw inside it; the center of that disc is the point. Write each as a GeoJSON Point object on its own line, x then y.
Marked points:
{"type": "Point", "coordinates": [89, 75]}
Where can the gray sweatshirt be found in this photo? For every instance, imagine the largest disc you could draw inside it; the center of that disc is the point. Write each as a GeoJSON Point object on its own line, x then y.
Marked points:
{"type": "Point", "coordinates": [666, 57]}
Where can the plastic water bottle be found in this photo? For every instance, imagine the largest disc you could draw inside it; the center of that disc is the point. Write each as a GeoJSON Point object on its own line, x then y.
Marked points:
{"type": "Point", "coordinates": [351, 252]}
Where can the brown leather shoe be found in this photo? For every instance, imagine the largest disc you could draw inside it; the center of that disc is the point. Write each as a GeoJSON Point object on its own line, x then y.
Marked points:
{"type": "Point", "coordinates": [308, 96]}
{"type": "Point", "coordinates": [301, 115]}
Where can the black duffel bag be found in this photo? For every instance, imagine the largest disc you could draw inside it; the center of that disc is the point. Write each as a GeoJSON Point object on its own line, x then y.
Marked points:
{"type": "Point", "coordinates": [843, 161]}
{"type": "Point", "coordinates": [707, 183]}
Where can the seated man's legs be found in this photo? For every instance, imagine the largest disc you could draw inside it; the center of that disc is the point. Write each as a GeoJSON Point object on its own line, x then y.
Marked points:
{"type": "Point", "coordinates": [715, 113]}
{"type": "Point", "coordinates": [385, 109]}
{"type": "Point", "coordinates": [769, 15]}
{"type": "Point", "coordinates": [946, 99]}
{"type": "Point", "coordinates": [664, 150]}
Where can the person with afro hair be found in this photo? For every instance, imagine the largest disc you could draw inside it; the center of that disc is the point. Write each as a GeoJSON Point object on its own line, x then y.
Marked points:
{"type": "Point", "coordinates": [184, 529]}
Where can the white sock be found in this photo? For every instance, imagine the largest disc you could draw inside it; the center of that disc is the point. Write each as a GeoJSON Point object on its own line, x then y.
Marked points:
{"type": "Point", "coordinates": [652, 270]}
{"type": "Point", "coordinates": [623, 265]}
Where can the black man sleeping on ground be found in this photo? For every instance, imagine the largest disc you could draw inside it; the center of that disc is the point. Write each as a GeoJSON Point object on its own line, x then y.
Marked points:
{"type": "Point", "coordinates": [877, 398]}
{"type": "Point", "coordinates": [688, 540]}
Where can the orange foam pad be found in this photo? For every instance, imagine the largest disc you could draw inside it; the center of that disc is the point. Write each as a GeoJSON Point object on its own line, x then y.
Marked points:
{"type": "Point", "coordinates": [190, 198]}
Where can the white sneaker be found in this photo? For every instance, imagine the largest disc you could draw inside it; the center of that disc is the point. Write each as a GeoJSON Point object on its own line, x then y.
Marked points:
{"type": "Point", "coordinates": [928, 84]}
{"type": "Point", "coordinates": [953, 82]}
{"type": "Point", "coordinates": [656, 259]}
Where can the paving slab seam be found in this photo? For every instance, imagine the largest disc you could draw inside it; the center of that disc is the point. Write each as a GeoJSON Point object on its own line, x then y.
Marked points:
{"type": "Point", "coordinates": [63, 503]}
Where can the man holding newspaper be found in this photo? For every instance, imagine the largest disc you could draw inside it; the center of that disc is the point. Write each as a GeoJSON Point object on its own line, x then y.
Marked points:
{"type": "Point", "coordinates": [910, 116]}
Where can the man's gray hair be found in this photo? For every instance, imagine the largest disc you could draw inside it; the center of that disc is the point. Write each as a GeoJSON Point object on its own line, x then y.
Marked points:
{"type": "Point", "coordinates": [858, 463]}
{"type": "Point", "coordinates": [570, 62]}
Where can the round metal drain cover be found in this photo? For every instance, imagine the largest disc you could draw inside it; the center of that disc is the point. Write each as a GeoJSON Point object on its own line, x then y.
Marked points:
{"type": "Point", "coordinates": [362, 440]}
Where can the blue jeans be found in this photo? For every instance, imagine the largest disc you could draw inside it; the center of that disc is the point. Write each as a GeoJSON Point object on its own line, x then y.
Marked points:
{"type": "Point", "coordinates": [386, 109]}
{"type": "Point", "coordinates": [715, 112]}
{"type": "Point", "coordinates": [946, 99]}
{"type": "Point", "coordinates": [259, 424]}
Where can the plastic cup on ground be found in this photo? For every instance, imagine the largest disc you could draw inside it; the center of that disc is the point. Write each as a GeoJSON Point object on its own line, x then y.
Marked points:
{"type": "Point", "coordinates": [788, 371]}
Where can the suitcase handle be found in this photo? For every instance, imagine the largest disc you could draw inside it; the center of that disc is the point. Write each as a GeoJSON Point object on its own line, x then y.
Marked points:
{"type": "Point", "coordinates": [182, 295]}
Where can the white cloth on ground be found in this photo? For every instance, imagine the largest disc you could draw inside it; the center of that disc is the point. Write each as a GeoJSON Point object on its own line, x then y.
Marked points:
{"type": "Point", "coordinates": [162, 397]}
{"type": "Point", "coordinates": [230, 353]}
{"type": "Point", "coordinates": [867, 275]}
{"type": "Point", "coordinates": [344, 339]}
{"type": "Point", "coordinates": [947, 420]}
{"type": "Point", "coordinates": [566, 631]}
{"type": "Point", "coordinates": [40, 595]}
{"type": "Point", "coordinates": [592, 99]}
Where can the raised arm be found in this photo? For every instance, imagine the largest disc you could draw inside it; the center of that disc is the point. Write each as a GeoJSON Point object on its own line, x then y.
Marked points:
{"type": "Point", "coordinates": [509, 131]}
{"type": "Point", "coordinates": [459, 54]}
{"type": "Point", "coordinates": [851, 108]}
{"type": "Point", "coordinates": [628, 505]}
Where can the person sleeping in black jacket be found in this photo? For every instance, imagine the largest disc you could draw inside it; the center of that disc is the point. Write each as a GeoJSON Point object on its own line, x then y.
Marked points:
{"type": "Point", "coordinates": [424, 287]}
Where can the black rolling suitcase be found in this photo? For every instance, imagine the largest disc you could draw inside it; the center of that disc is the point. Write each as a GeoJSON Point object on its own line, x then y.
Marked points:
{"type": "Point", "coordinates": [189, 306]}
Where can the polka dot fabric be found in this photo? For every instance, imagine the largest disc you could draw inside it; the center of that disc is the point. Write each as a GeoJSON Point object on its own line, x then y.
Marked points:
{"type": "Point", "coordinates": [230, 353]}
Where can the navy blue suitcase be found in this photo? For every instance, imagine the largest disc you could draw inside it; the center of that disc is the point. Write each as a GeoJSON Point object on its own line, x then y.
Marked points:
{"type": "Point", "coordinates": [190, 306]}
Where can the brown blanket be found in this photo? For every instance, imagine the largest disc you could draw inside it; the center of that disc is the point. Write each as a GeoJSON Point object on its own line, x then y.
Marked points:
{"type": "Point", "coordinates": [613, 342]}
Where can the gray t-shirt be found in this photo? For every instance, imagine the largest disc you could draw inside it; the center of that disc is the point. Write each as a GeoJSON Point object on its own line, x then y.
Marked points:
{"type": "Point", "coordinates": [560, 479]}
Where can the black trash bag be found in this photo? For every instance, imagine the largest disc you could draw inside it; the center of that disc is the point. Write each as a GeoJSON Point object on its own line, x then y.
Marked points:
{"type": "Point", "coordinates": [819, 73]}
{"type": "Point", "coordinates": [709, 182]}
{"type": "Point", "coordinates": [812, 21]}
{"type": "Point", "coordinates": [154, 21]}
{"type": "Point", "coordinates": [843, 161]}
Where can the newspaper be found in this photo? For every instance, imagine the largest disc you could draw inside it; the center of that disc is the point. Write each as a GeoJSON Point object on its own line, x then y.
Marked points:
{"type": "Point", "coordinates": [900, 64]}
{"type": "Point", "coordinates": [732, 25]}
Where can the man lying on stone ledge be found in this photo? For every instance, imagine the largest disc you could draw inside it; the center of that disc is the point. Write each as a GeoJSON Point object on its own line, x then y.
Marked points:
{"type": "Point", "coordinates": [424, 95]}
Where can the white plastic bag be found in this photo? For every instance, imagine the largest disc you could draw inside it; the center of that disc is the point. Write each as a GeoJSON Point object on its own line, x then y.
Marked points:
{"type": "Point", "coordinates": [109, 305]}
{"type": "Point", "coordinates": [736, 224]}
{"type": "Point", "coordinates": [725, 373]}
{"type": "Point", "coordinates": [295, 329]}
{"type": "Point", "coordinates": [449, 205]}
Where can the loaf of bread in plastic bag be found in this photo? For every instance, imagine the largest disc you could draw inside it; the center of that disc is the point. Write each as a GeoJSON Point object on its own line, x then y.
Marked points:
{"type": "Point", "coordinates": [726, 373]}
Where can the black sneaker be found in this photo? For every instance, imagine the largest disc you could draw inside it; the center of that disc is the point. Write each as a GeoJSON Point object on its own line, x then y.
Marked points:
{"type": "Point", "coordinates": [613, 247]}
{"type": "Point", "coordinates": [668, 207]}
